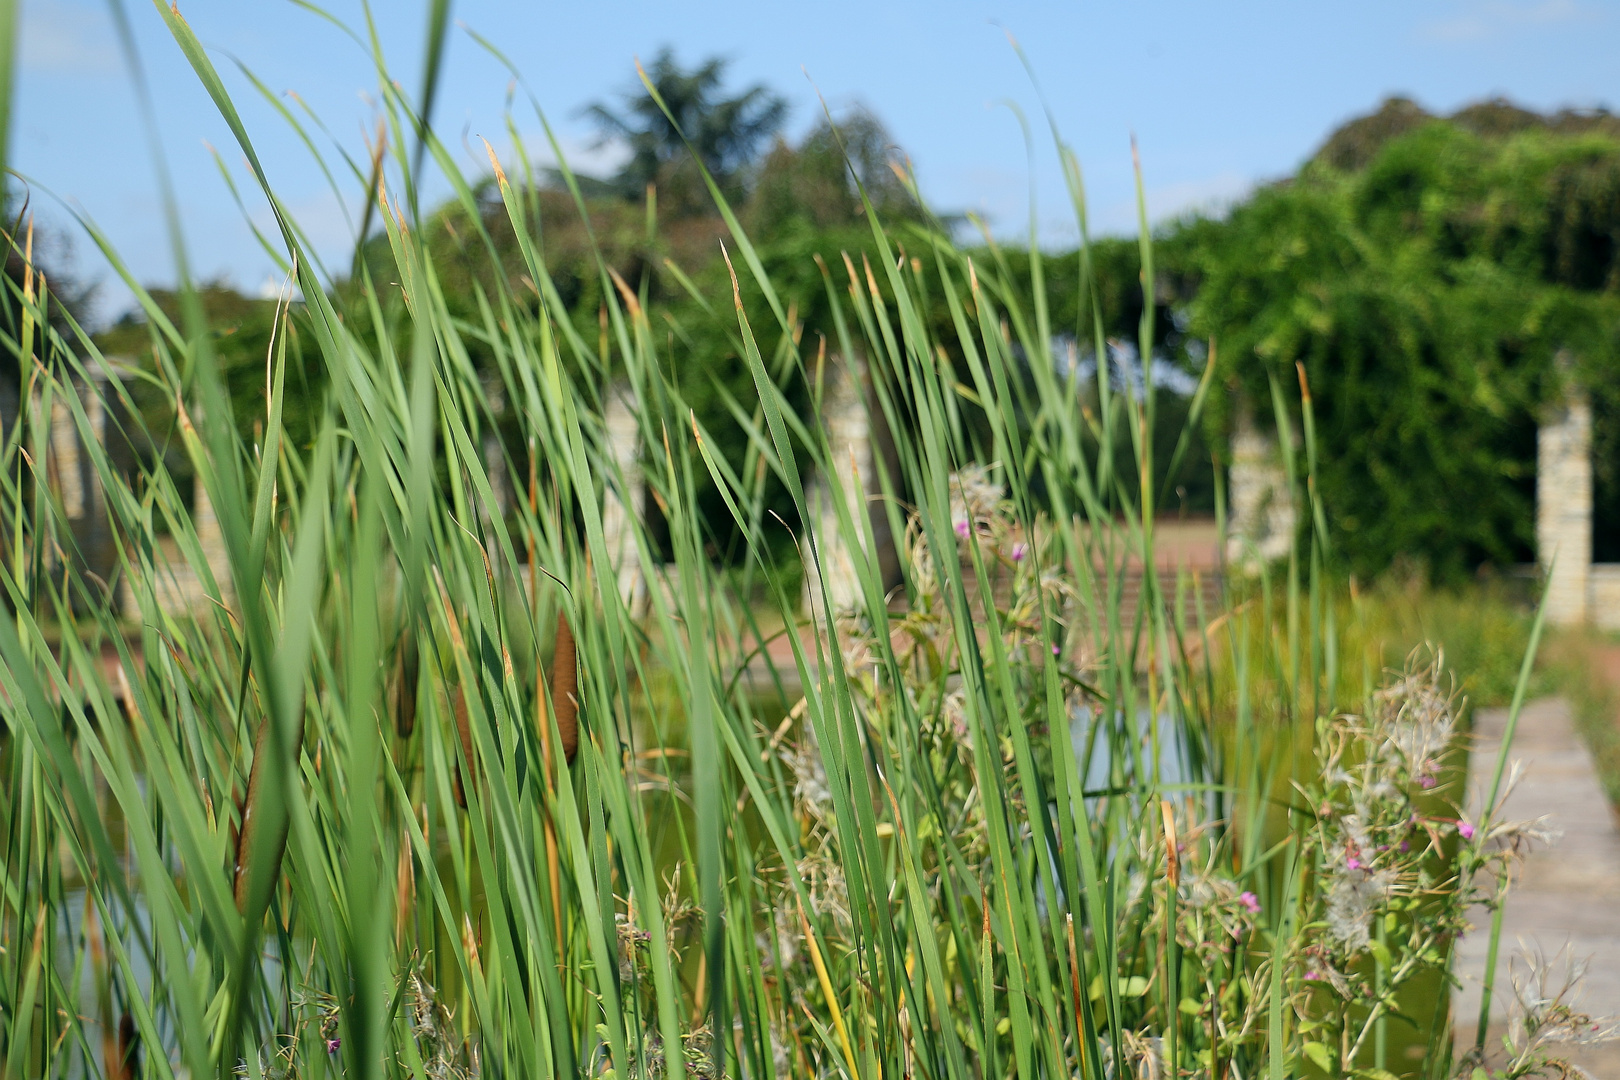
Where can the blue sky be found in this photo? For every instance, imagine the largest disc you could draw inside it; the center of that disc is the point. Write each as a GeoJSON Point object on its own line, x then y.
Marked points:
{"type": "Point", "coordinates": [1220, 96]}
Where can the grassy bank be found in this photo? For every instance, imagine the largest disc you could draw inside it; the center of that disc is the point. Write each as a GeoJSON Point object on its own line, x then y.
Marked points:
{"type": "Point", "coordinates": [1587, 667]}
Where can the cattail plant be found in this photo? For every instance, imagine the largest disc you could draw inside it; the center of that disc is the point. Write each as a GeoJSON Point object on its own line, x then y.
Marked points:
{"type": "Point", "coordinates": [352, 813]}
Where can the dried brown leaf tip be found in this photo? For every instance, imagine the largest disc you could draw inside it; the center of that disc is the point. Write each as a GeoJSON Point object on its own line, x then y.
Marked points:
{"type": "Point", "coordinates": [495, 163]}
{"type": "Point", "coordinates": [627, 293]}
{"type": "Point", "coordinates": [736, 289]}
{"type": "Point", "coordinates": [1171, 853]}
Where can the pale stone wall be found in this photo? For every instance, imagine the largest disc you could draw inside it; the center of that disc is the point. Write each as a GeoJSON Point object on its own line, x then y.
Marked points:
{"type": "Point", "coordinates": [66, 468]}
{"type": "Point", "coordinates": [73, 475]}
{"type": "Point", "coordinates": [1261, 521]}
{"type": "Point", "coordinates": [624, 505]}
{"type": "Point", "coordinates": [1603, 596]}
{"type": "Point", "coordinates": [178, 585]}
{"type": "Point", "coordinates": [1564, 509]}
{"type": "Point", "coordinates": [496, 468]}
{"type": "Point", "coordinates": [211, 538]}
{"type": "Point", "coordinates": [849, 438]}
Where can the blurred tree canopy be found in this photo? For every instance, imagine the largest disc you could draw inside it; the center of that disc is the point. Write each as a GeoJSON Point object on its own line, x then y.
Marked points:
{"type": "Point", "coordinates": [243, 331]}
{"type": "Point", "coordinates": [798, 201]}
{"type": "Point", "coordinates": [1425, 272]}
{"type": "Point", "coordinates": [66, 297]}
{"type": "Point", "coordinates": [724, 133]}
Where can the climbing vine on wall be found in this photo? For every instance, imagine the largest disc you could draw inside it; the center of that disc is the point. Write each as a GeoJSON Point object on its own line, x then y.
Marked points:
{"type": "Point", "coordinates": [1428, 275]}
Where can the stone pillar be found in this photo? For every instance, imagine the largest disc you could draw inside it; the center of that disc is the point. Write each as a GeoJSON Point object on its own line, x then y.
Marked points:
{"type": "Point", "coordinates": [96, 534]}
{"type": "Point", "coordinates": [1260, 500]}
{"type": "Point", "coordinates": [1564, 508]}
{"type": "Point", "coordinates": [73, 469]}
{"type": "Point", "coordinates": [849, 440]}
{"type": "Point", "coordinates": [623, 506]}
{"type": "Point", "coordinates": [496, 468]}
{"type": "Point", "coordinates": [211, 539]}
{"type": "Point", "coordinates": [69, 468]}
{"type": "Point", "coordinates": [209, 535]}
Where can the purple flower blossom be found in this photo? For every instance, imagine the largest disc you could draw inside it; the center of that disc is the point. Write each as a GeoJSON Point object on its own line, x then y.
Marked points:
{"type": "Point", "coordinates": [1465, 830]}
{"type": "Point", "coordinates": [1426, 781]}
{"type": "Point", "coordinates": [1019, 551]}
{"type": "Point", "coordinates": [332, 1045]}
{"type": "Point", "coordinates": [1406, 845]}
{"type": "Point", "coordinates": [1250, 901]}
{"type": "Point", "coordinates": [962, 529]}
{"type": "Point", "coordinates": [1056, 650]}
{"type": "Point", "coordinates": [1354, 863]}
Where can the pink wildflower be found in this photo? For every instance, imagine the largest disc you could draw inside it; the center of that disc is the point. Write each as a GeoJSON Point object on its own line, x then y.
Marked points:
{"type": "Point", "coordinates": [962, 528]}
{"type": "Point", "coordinates": [1465, 830]}
{"type": "Point", "coordinates": [332, 1045]}
{"type": "Point", "coordinates": [1250, 901]}
{"type": "Point", "coordinates": [1019, 551]}
{"type": "Point", "coordinates": [1426, 781]}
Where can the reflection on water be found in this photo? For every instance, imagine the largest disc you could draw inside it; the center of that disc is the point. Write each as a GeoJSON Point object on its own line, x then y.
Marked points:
{"type": "Point", "coordinates": [1155, 751]}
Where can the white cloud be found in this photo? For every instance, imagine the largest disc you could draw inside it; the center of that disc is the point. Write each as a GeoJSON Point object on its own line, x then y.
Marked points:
{"type": "Point", "coordinates": [1210, 195]}
{"type": "Point", "coordinates": [1483, 20]}
{"type": "Point", "coordinates": [275, 287]}
{"type": "Point", "coordinates": [65, 37]}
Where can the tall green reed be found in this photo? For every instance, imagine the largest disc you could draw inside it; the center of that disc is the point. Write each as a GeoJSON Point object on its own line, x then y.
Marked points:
{"type": "Point", "coordinates": [364, 812]}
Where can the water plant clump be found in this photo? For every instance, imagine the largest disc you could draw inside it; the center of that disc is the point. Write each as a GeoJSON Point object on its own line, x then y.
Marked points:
{"type": "Point", "coordinates": [408, 749]}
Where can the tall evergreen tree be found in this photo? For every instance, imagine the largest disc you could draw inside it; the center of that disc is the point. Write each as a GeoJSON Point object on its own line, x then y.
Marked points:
{"type": "Point", "coordinates": [725, 132]}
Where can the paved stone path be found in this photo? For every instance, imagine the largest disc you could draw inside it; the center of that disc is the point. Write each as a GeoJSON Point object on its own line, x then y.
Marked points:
{"type": "Point", "coordinates": [1568, 893]}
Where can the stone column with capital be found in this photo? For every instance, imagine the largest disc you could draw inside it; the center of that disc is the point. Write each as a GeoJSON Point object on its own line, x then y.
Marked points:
{"type": "Point", "coordinates": [1260, 528]}
{"type": "Point", "coordinates": [623, 497]}
{"type": "Point", "coordinates": [1564, 508]}
{"type": "Point", "coordinates": [849, 438]}
{"type": "Point", "coordinates": [72, 468]}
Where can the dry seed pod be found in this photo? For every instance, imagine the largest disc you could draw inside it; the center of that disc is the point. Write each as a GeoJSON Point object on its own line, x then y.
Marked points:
{"type": "Point", "coordinates": [565, 689]}
{"type": "Point", "coordinates": [407, 670]}
{"type": "Point", "coordinates": [246, 819]}
{"type": "Point", "coordinates": [129, 1044]}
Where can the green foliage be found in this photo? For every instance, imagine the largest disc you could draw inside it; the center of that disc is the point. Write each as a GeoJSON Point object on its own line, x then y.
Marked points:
{"type": "Point", "coordinates": [818, 184]}
{"type": "Point", "coordinates": [242, 333]}
{"type": "Point", "coordinates": [1427, 294]}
